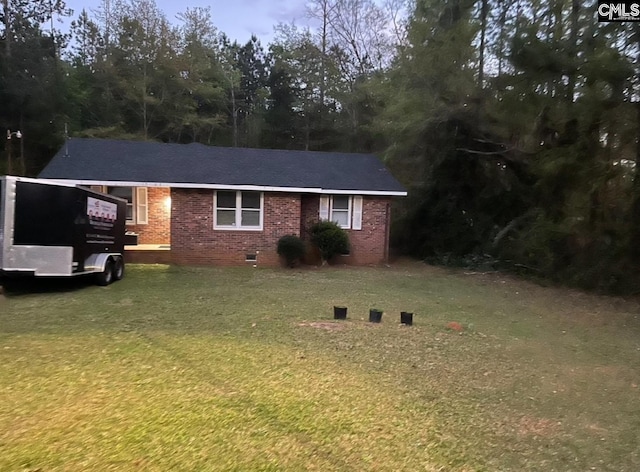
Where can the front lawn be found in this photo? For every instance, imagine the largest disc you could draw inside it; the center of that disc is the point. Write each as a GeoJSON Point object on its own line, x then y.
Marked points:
{"type": "Point", "coordinates": [245, 369]}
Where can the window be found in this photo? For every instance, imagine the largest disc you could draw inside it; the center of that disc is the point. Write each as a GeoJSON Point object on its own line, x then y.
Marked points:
{"type": "Point", "coordinates": [341, 210]}
{"type": "Point", "coordinates": [238, 210]}
{"type": "Point", "coordinates": [344, 210]}
{"type": "Point", "coordinates": [137, 204]}
{"type": "Point", "coordinates": [127, 194]}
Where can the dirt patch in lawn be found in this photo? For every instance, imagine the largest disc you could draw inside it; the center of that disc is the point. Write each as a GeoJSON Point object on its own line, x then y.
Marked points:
{"type": "Point", "coordinates": [531, 426]}
{"type": "Point", "coordinates": [328, 326]}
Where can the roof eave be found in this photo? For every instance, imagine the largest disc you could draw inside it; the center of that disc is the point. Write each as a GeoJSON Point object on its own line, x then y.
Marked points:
{"type": "Point", "coordinates": [257, 188]}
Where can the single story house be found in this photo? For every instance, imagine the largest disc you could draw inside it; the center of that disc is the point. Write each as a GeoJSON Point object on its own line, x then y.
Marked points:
{"type": "Point", "coordinates": [199, 205]}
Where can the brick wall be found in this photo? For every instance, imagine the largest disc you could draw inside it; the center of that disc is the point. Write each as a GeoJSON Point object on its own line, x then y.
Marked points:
{"type": "Point", "coordinates": [195, 242]}
{"type": "Point", "coordinates": [309, 210]}
{"type": "Point", "coordinates": [158, 230]}
{"type": "Point", "coordinates": [369, 245]}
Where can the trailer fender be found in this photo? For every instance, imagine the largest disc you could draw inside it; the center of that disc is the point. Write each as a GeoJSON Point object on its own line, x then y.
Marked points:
{"type": "Point", "coordinates": [98, 262]}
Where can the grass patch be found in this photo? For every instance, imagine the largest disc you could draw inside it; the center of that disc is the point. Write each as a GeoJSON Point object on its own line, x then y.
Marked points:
{"type": "Point", "coordinates": [244, 369]}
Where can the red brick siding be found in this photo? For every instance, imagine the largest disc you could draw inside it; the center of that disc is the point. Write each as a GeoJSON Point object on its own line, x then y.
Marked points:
{"type": "Point", "coordinates": [368, 245]}
{"type": "Point", "coordinates": [195, 242]}
{"type": "Point", "coordinates": [310, 207]}
{"type": "Point", "coordinates": [158, 230]}
{"type": "Point", "coordinates": [309, 210]}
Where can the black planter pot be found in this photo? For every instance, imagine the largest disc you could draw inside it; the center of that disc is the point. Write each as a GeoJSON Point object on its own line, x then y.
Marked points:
{"type": "Point", "coordinates": [406, 318]}
{"type": "Point", "coordinates": [375, 316]}
{"type": "Point", "coordinates": [339, 312]}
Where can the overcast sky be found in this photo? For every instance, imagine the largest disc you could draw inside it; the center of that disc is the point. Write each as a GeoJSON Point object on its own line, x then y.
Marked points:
{"type": "Point", "coordinates": [239, 19]}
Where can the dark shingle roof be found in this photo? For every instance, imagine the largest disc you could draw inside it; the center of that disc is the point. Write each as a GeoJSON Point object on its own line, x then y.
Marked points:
{"type": "Point", "coordinates": [107, 160]}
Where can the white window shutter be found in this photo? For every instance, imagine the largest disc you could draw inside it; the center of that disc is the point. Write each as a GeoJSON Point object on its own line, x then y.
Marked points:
{"type": "Point", "coordinates": [324, 208]}
{"type": "Point", "coordinates": [142, 207]}
{"type": "Point", "coordinates": [357, 212]}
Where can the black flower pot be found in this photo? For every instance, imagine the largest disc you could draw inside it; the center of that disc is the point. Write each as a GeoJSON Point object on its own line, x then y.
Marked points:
{"type": "Point", "coordinates": [339, 312]}
{"type": "Point", "coordinates": [375, 316]}
{"type": "Point", "coordinates": [406, 318]}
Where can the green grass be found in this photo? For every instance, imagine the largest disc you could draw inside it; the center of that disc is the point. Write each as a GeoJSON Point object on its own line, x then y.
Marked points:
{"type": "Point", "coordinates": [245, 369]}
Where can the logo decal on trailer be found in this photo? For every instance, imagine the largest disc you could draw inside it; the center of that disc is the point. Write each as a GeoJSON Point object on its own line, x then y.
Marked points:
{"type": "Point", "coordinates": [101, 210]}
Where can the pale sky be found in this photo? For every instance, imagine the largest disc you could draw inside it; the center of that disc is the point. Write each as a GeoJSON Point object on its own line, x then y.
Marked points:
{"type": "Point", "coordinates": [239, 19]}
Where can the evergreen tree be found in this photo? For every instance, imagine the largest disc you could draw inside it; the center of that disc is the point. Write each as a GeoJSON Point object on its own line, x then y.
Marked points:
{"type": "Point", "coordinates": [32, 88]}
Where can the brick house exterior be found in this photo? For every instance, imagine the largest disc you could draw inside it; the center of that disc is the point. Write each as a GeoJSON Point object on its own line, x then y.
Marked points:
{"type": "Point", "coordinates": [223, 213]}
{"type": "Point", "coordinates": [370, 245]}
{"type": "Point", "coordinates": [158, 229]}
{"type": "Point", "coordinates": [195, 242]}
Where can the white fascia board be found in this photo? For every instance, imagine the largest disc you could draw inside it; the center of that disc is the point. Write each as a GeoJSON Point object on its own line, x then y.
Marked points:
{"type": "Point", "coordinates": [64, 183]}
{"type": "Point", "coordinates": [247, 188]}
{"type": "Point", "coordinates": [378, 193]}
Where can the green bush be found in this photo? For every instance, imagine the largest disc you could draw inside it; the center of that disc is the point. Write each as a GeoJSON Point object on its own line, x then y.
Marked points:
{"type": "Point", "coordinates": [291, 248]}
{"type": "Point", "coordinates": [330, 239]}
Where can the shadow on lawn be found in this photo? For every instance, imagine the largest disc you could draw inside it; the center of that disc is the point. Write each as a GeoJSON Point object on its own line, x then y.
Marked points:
{"type": "Point", "coordinates": [17, 286]}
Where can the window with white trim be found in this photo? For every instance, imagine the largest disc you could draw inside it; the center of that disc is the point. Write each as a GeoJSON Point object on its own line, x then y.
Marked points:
{"type": "Point", "coordinates": [137, 201]}
{"type": "Point", "coordinates": [127, 194]}
{"type": "Point", "coordinates": [340, 210]}
{"type": "Point", "coordinates": [238, 210]}
{"type": "Point", "coordinates": [344, 210]}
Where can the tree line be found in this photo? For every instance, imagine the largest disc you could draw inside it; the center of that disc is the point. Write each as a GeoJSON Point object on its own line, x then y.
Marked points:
{"type": "Point", "coordinates": [514, 124]}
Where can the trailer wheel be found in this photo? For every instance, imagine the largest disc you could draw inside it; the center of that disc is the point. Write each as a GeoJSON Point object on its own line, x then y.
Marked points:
{"type": "Point", "coordinates": [106, 276]}
{"type": "Point", "coordinates": [118, 269]}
